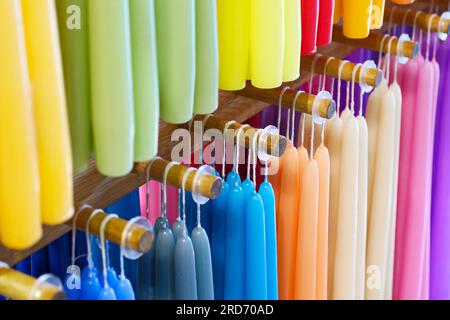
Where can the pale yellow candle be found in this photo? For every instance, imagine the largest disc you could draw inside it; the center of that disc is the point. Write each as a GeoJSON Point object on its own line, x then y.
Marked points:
{"type": "Point", "coordinates": [379, 217]}
{"type": "Point", "coordinates": [49, 108]}
{"type": "Point", "coordinates": [323, 162]}
{"type": "Point", "coordinates": [361, 236]}
{"type": "Point", "coordinates": [345, 252]}
{"type": "Point", "coordinates": [396, 90]}
{"type": "Point", "coordinates": [305, 271]}
{"type": "Point", "coordinates": [20, 217]}
{"type": "Point", "coordinates": [333, 141]}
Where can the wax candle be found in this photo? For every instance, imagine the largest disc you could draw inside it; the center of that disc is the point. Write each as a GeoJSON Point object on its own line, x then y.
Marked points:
{"type": "Point", "coordinates": [310, 20]}
{"type": "Point", "coordinates": [306, 257]}
{"type": "Point", "coordinates": [325, 29]}
{"type": "Point", "coordinates": [322, 157]}
{"type": "Point", "coordinates": [175, 30]}
{"type": "Point", "coordinates": [112, 86]}
{"type": "Point", "coordinates": [19, 178]}
{"type": "Point", "coordinates": [377, 14]}
{"type": "Point", "coordinates": [337, 11]}
{"type": "Point", "coordinates": [49, 106]}
{"type": "Point", "coordinates": [74, 37]}
{"type": "Point", "coordinates": [124, 289]}
{"type": "Point", "coordinates": [361, 229]}
{"type": "Point", "coordinates": [334, 143]}
{"type": "Point", "coordinates": [203, 264]}
{"type": "Point", "coordinates": [267, 43]}
{"type": "Point", "coordinates": [293, 38]}
{"type": "Point", "coordinates": [206, 98]}
{"type": "Point", "coordinates": [345, 249]}
{"type": "Point", "coordinates": [255, 248]}
{"type": "Point", "coordinates": [380, 205]}
{"type": "Point", "coordinates": [357, 18]}
{"type": "Point", "coordinates": [164, 265]}
{"type": "Point", "coordinates": [145, 79]}
{"type": "Point", "coordinates": [233, 17]}
{"type": "Point", "coordinates": [288, 222]}
{"type": "Point", "coordinates": [185, 273]}
{"type": "Point", "coordinates": [267, 194]}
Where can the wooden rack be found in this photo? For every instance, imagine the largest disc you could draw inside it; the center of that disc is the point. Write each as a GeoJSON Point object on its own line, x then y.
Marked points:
{"type": "Point", "coordinates": [400, 15]}
{"type": "Point", "coordinates": [100, 191]}
{"type": "Point", "coordinates": [410, 49]}
{"type": "Point", "coordinates": [18, 286]}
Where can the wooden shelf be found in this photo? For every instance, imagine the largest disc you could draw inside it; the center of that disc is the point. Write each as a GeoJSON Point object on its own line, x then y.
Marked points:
{"type": "Point", "coordinates": [99, 191]}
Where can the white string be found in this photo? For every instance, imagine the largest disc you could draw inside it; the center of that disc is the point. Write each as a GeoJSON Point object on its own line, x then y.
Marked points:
{"type": "Point", "coordinates": [415, 25]}
{"type": "Point", "coordinates": [387, 60]}
{"type": "Point", "coordinates": [123, 239]}
{"type": "Point", "coordinates": [147, 187]}
{"type": "Point", "coordinates": [227, 125]}
{"type": "Point", "coordinates": [280, 102]}
{"type": "Point", "coordinates": [88, 238]}
{"type": "Point", "coordinates": [74, 231]}
{"type": "Point", "coordinates": [380, 53]}
{"type": "Point", "coordinates": [408, 11]}
{"type": "Point", "coordinates": [254, 152]}
{"type": "Point", "coordinates": [103, 248]}
{"type": "Point", "coordinates": [355, 69]}
{"type": "Point", "coordinates": [341, 66]}
{"type": "Point", "coordinates": [183, 190]}
{"type": "Point", "coordinates": [429, 35]}
{"type": "Point", "coordinates": [390, 29]}
{"type": "Point", "coordinates": [294, 103]}
{"type": "Point", "coordinates": [238, 146]}
{"type": "Point", "coordinates": [166, 173]}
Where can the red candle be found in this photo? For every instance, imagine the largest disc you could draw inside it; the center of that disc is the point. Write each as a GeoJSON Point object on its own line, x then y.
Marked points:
{"type": "Point", "coordinates": [325, 29]}
{"type": "Point", "coordinates": [310, 19]}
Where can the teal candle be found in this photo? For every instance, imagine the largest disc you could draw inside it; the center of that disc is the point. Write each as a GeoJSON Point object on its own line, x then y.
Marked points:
{"type": "Point", "coordinates": [207, 52]}
{"type": "Point", "coordinates": [74, 39]}
{"type": "Point", "coordinates": [175, 31]}
{"type": "Point", "coordinates": [164, 265]}
{"type": "Point", "coordinates": [112, 86]}
{"type": "Point", "coordinates": [185, 273]}
{"type": "Point", "coordinates": [203, 264]}
{"type": "Point", "coordinates": [145, 79]}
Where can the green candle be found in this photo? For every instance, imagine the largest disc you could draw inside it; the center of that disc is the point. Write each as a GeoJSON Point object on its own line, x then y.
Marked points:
{"type": "Point", "coordinates": [207, 76]}
{"type": "Point", "coordinates": [73, 32]}
{"type": "Point", "coordinates": [112, 86]}
{"type": "Point", "coordinates": [145, 79]}
{"type": "Point", "coordinates": [175, 30]}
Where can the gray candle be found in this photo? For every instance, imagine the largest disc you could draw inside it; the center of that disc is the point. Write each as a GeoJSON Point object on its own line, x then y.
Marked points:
{"type": "Point", "coordinates": [185, 274]}
{"type": "Point", "coordinates": [164, 265]}
{"type": "Point", "coordinates": [205, 286]}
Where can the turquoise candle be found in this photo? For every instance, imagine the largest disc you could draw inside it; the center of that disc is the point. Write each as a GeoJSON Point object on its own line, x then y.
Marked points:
{"type": "Point", "coordinates": [268, 198]}
{"type": "Point", "coordinates": [112, 86]}
{"type": "Point", "coordinates": [255, 248]}
{"type": "Point", "coordinates": [203, 264]}
{"type": "Point", "coordinates": [185, 273]}
{"type": "Point", "coordinates": [164, 265]}
{"type": "Point", "coordinates": [74, 39]}
{"type": "Point", "coordinates": [145, 79]}
{"type": "Point", "coordinates": [207, 50]}
{"type": "Point", "coordinates": [175, 30]}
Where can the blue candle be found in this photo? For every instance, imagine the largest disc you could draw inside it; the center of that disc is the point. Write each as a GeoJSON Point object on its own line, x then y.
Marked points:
{"type": "Point", "coordinates": [90, 285]}
{"type": "Point", "coordinates": [124, 289]}
{"type": "Point", "coordinates": [185, 273]}
{"type": "Point", "coordinates": [164, 265]}
{"type": "Point", "coordinates": [268, 198]}
{"type": "Point", "coordinates": [203, 264]}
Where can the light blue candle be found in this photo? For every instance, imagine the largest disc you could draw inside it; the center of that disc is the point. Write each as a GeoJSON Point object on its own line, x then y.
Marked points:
{"type": "Point", "coordinates": [124, 289]}
{"type": "Point", "coordinates": [90, 285]}
{"type": "Point", "coordinates": [164, 265]}
{"type": "Point", "coordinates": [185, 269]}
{"type": "Point", "coordinates": [255, 264]}
{"type": "Point", "coordinates": [203, 264]}
{"type": "Point", "coordinates": [268, 198]}
{"type": "Point", "coordinates": [218, 226]}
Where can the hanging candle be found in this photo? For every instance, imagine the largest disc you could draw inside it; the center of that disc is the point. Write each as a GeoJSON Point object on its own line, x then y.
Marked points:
{"type": "Point", "coordinates": [310, 20]}
{"type": "Point", "coordinates": [337, 11]}
{"type": "Point", "coordinates": [145, 79]}
{"type": "Point", "coordinates": [73, 32]}
{"type": "Point", "coordinates": [292, 40]}
{"type": "Point", "coordinates": [112, 86]}
{"type": "Point", "coordinates": [175, 29]}
{"type": "Point", "coordinates": [164, 265]}
{"type": "Point", "coordinates": [207, 64]}
{"type": "Point", "coordinates": [357, 18]}
{"type": "Point", "coordinates": [107, 292]}
{"type": "Point", "coordinates": [233, 17]}
{"type": "Point", "coordinates": [325, 29]}
{"type": "Point", "coordinates": [267, 43]}
{"type": "Point", "coordinates": [185, 273]}
{"type": "Point", "coordinates": [19, 178]}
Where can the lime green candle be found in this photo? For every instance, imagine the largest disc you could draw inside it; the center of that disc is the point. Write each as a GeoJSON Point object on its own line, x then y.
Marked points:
{"type": "Point", "coordinates": [207, 76]}
{"type": "Point", "coordinates": [175, 30]}
{"type": "Point", "coordinates": [145, 79]}
{"type": "Point", "coordinates": [111, 86]}
{"type": "Point", "coordinates": [73, 33]}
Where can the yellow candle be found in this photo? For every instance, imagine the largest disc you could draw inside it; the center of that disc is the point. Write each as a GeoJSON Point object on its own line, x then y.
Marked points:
{"type": "Point", "coordinates": [49, 108]}
{"type": "Point", "coordinates": [233, 18]}
{"type": "Point", "coordinates": [293, 38]}
{"type": "Point", "coordinates": [267, 43]}
{"type": "Point", "coordinates": [357, 18]}
{"type": "Point", "coordinates": [377, 14]}
{"type": "Point", "coordinates": [306, 257]}
{"type": "Point", "coordinates": [19, 176]}
{"type": "Point", "coordinates": [333, 137]}
{"type": "Point", "coordinates": [337, 11]}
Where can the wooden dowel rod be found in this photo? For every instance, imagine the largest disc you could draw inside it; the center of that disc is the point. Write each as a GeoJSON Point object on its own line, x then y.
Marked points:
{"type": "Point", "coordinates": [410, 49]}
{"type": "Point", "coordinates": [372, 76]}
{"type": "Point", "coordinates": [304, 103]}
{"type": "Point", "coordinates": [422, 21]}
{"type": "Point", "coordinates": [139, 238]}
{"type": "Point", "coordinates": [209, 186]}
{"type": "Point", "coordinates": [18, 286]}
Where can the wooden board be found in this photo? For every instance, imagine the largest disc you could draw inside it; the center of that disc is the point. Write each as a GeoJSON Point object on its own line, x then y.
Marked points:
{"type": "Point", "coordinates": [99, 191]}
